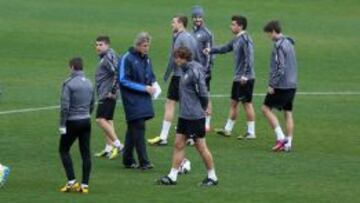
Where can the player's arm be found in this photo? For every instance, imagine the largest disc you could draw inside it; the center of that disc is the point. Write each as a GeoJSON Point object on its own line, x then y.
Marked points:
{"type": "Point", "coordinates": [222, 49]}
{"type": "Point", "coordinates": [125, 76]}
{"type": "Point", "coordinates": [201, 89]}
{"type": "Point", "coordinates": [64, 107]}
{"type": "Point", "coordinates": [279, 70]}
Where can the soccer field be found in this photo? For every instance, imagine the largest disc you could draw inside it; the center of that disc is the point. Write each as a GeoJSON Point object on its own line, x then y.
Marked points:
{"type": "Point", "coordinates": [38, 37]}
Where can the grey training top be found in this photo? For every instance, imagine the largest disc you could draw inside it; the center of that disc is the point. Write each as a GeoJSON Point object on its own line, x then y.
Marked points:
{"type": "Point", "coordinates": [77, 98]}
{"type": "Point", "coordinates": [181, 39]}
{"type": "Point", "coordinates": [243, 48]}
{"type": "Point", "coordinates": [204, 40]}
{"type": "Point", "coordinates": [283, 67]}
{"type": "Point", "coordinates": [193, 92]}
{"type": "Point", "coordinates": [106, 74]}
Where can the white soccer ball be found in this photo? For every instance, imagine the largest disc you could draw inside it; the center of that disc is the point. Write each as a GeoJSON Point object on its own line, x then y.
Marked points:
{"type": "Point", "coordinates": [185, 166]}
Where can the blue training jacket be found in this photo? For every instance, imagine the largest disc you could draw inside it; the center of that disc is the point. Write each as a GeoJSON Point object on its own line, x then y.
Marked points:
{"type": "Point", "coordinates": [135, 73]}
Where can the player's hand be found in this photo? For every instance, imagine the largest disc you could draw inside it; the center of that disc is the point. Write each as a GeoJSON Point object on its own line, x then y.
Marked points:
{"type": "Point", "coordinates": [207, 51]}
{"type": "Point", "coordinates": [243, 80]}
{"type": "Point", "coordinates": [62, 130]}
{"type": "Point", "coordinates": [150, 89]}
{"type": "Point", "coordinates": [271, 90]}
{"type": "Point", "coordinates": [111, 95]}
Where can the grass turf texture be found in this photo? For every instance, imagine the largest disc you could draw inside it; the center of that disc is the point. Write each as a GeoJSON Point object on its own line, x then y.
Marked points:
{"type": "Point", "coordinates": [38, 37]}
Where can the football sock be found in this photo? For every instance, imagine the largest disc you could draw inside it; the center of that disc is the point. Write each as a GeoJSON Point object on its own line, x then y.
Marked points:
{"type": "Point", "coordinates": [212, 174]}
{"type": "Point", "coordinates": [108, 148]}
{"type": "Point", "coordinates": [208, 119]}
{"type": "Point", "coordinates": [251, 127]}
{"type": "Point", "coordinates": [289, 140]}
{"type": "Point", "coordinates": [229, 125]}
{"type": "Point", "coordinates": [173, 174]}
{"type": "Point", "coordinates": [165, 130]}
{"type": "Point", "coordinates": [279, 133]}
{"type": "Point", "coordinates": [71, 182]}
{"type": "Point", "coordinates": [117, 143]}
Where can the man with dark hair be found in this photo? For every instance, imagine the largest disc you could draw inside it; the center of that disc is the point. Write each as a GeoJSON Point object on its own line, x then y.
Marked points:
{"type": "Point", "coordinates": [76, 105]}
{"type": "Point", "coordinates": [181, 37]}
{"type": "Point", "coordinates": [282, 85]}
{"type": "Point", "coordinates": [244, 76]}
{"type": "Point", "coordinates": [107, 89]}
{"type": "Point", "coordinates": [191, 124]}
{"type": "Point", "coordinates": [138, 84]}
{"type": "Point", "coordinates": [204, 40]}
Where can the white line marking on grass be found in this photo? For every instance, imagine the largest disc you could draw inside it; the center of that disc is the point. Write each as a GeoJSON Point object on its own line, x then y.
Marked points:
{"type": "Point", "coordinates": [212, 96]}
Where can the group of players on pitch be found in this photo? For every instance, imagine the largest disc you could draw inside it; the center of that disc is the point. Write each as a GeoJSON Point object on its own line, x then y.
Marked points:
{"type": "Point", "coordinates": [189, 71]}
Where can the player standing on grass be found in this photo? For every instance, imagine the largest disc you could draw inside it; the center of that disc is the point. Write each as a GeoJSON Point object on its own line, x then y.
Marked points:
{"type": "Point", "coordinates": [107, 90]}
{"type": "Point", "coordinates": [191, 124]}
{"type": "Point", "coordinates": [282, 85]}
{"type": "Point", "coordinates": [204, 40]}
{"type": "Point", "coordinates": [181, 37]}
{"type": "Point", "coordinates": [76, 105]}
{"type": "Point", "coordinates": [244, 76]}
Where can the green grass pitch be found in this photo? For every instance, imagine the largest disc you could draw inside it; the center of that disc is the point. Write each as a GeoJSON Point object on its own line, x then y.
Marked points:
{"type": "Point", "coordinates": [37, 37]}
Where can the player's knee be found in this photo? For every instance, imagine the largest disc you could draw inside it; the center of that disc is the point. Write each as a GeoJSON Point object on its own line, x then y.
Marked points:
{"type": "Point", "coordinates": [264, 109]}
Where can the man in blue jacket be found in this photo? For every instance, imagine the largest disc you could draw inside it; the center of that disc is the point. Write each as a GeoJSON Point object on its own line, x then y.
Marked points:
{"type": "Point", "coordinates": [137, 85]}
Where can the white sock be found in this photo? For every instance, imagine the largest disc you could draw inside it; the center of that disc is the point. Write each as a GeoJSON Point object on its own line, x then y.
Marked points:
{"type": "Point", "coordinates": [208, 119]}
{"type": "Point", "coordinates": [212, 174]}
{"type": "Point", "coordinates": [117, 144]}
{"type": "Point", "coordinates": [173, 174]}
{"type": "Point", "coordinates": [165, 130]}
{"type": "Point", "coordinates": [71, 182]}
{"type": "Point", "coordinates": [279, 133]}
{"type": "Point", "coordinates": [108, 148]}
{"type": "Point", "coordinates": [229, 125]}
{"type": "Point", "coordinates": [289, 140]}
{"type": "Point", "coordinates": [84, 185]}
{"type": "Point", "coordinates": [251, 127]}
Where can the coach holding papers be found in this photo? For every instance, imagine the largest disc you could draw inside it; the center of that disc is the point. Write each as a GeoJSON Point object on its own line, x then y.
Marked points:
{"type": "Point", "coordinates": [137, 86]}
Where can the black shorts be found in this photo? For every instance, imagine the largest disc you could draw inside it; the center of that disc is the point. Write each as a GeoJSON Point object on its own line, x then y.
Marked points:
{"type": "Point", "coordinates": [207, 81]}
{"type": "Point", "coordinates": [282, 99]}
{"type": "Point", "coordinates": [242, 93]}
{"type": "Point", "coordinates": [173, 91]}
{"type": "Point", "coordinates": [106, 109]}
{"type": "Point", "coordinates": [191, 128]}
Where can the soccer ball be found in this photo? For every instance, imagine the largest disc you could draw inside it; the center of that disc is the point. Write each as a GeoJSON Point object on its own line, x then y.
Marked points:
{"type": "Point", "coordinates": [185, 166]}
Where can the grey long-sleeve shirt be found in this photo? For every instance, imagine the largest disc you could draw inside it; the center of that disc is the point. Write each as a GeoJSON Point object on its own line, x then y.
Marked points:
{"type": "Point", "coordinates": [181, 39]}
{"type": "Point", "coordinates": [243, 48]}
{"type": "Point", "coordinates": [283, 67]}
{"type": "Point", "coordinates": [77, 98]}
{"type": "Point", "coordinates": [193, 92]}
{"type": "Point", "coordinates": [205, 39]}
{"type": "Point", "coordinates": [106, 74]}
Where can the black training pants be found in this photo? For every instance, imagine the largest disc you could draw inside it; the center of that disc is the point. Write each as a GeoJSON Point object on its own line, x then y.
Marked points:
{"type": "Point", "coordinates": [76, 129]}
{"type": "Point", "coordinates": [135, 138]}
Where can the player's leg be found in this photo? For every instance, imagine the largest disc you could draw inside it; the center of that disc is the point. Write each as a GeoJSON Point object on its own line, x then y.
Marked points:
{"type": "Point", "coordinates": [274, 123]}
{"type": "Point", "coordinates": [250, 118]}
{"type": "Point", "coordinates": [84, 146]}
{"type": "Point", "coordinates": [209, 107]}
{"type": "Point", "coordinates": [233, 111]}
{"type": "Point", "coordinates": [104, 119]}
{"type": "Point", "coordinates": [289, 122]}
{"type": "Point", "coordinates": [206, 156]}
{"type": "Point", "coordinates": [246, 95]}
{"type": "Point", "coordinates": [66, 141]}
{"type": "Point", "coordinates": [178, 156]}
{"type": "Point", "coordinates": [170, 106]}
